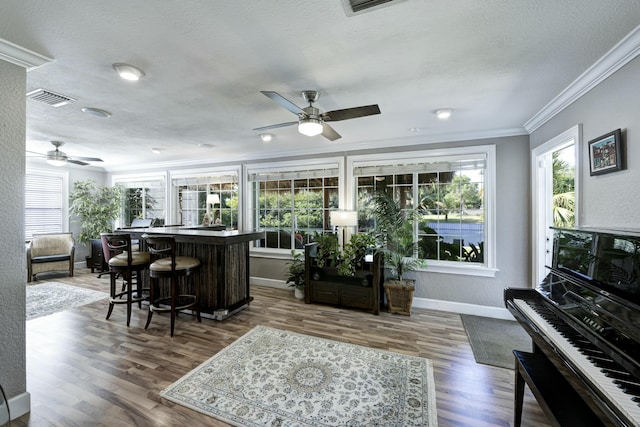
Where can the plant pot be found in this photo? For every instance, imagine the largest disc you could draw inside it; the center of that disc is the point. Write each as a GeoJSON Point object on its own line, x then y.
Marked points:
{"type": "Point", "coordinates": [299, 293]}
{"type": "Point", "coordinates": [399, 296]}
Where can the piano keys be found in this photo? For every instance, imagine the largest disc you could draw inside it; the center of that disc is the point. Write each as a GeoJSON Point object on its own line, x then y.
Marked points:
{"type": "Point", "coordinates": [585, 318]}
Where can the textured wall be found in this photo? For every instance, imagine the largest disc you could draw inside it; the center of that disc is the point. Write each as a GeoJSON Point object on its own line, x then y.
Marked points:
{"type": "Point", "coordinates": [609, 200]}
{"type": "Point", "coordinates": [12, 251]}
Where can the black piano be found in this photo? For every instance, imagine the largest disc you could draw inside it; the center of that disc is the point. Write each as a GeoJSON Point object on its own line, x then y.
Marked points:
{"type": "Point", "coordinates": [584, 319]}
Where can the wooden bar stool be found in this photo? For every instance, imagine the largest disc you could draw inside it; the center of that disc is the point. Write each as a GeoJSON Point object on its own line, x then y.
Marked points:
{"type": "Point", "coordinates": [122, 260]}
{"type": "Point", "coordinates": [166, 264]}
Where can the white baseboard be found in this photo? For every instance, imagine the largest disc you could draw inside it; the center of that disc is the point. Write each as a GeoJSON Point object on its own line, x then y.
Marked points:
{"type": "Point", "coordinates": [20, 405]}
{"type": "Point", "coordinates": [270, 283]}
{"type": "Point", "coordinates": [463, 308]}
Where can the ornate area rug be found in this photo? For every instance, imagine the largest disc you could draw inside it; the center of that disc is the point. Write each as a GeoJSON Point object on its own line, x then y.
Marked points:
{"type": "Point", "coordinates": [51, 297]}
{"type": "Point", "coordinates": [271, 377]}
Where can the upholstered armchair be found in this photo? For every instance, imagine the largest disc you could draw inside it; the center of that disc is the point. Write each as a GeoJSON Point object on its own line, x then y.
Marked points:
{"type": "Point", "coordinates": [50, 252]}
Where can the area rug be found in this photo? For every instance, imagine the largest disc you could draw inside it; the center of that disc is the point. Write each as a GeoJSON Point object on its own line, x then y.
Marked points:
{"type": "Point", "coordinates": [51, 297]}
{"type": "Point", "coordinates": [493, 340]}
{"type": "Point", "coordinates": [271, 377]}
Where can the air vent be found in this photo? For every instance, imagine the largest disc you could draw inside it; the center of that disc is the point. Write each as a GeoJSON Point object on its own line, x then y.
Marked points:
{"type": "Point", "coordinates": [356, 7]}
{"type": "Point", "coordinates": [49, 98]}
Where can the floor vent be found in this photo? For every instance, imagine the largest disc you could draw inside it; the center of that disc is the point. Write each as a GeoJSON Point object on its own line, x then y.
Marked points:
{"type": "Point", "coordinates": [49, 98]}
{"type": "Point", "coordinates": [356, 7]}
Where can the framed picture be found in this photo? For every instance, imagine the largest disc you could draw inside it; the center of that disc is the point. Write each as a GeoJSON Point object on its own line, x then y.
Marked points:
{"type": "Point", "coordinates": [605, 153]}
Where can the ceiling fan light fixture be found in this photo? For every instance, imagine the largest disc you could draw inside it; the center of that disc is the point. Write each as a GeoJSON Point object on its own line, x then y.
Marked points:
{"type": "Point", "coordinates": [310, 126]}
{"type": "Point", "coordinates": [57, 162]}
{"type": "Point", "coordinates": [443, 113]}
{"type": "Point", "coordinates": [128, 72]}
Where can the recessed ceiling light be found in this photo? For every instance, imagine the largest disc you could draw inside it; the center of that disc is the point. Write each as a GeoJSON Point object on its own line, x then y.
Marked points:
{"type": "Point", "coordinates": [444, 113]}
{"type": "Point", "coordinates": [266, 137]}
{"type": "Point", "coordinates": [156, 150]}
{"type": "Point", "coordinates": [128, 72]}
{"type": "Point", "coordinates": [96, 112]}
{"type": "Point", "coordinates": [414, 130]}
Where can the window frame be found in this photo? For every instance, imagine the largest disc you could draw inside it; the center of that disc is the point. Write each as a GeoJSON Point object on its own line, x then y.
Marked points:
{"type": "Point", "coordinates": [128, 178]}
{"type": "Point", "coordinates": [203, 173]}
{"type": "Point", "coordinates": [285, 167]}
{"type": "Point", "coordinates": [488, 268]}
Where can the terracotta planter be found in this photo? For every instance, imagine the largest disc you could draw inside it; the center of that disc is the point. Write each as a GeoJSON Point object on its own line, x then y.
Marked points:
{"type": "Point", "coordinates": [399, 296]}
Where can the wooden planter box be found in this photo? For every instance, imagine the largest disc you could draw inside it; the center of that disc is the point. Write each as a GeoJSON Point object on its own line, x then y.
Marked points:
{"type": "Point", "coordinates": [399, 296]}
{"type": "Point", "coordinates": [324, 285]}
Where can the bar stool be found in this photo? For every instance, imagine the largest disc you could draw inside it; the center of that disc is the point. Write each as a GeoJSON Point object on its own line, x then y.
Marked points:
{"type": "Point", "coordinates": [166, 264]}
{"type": "Point", "coordinates": [122, 260]}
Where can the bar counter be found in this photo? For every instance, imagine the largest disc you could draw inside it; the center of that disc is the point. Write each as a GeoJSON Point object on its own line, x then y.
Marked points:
{"type": "Point", "coordinates": [223, 279]}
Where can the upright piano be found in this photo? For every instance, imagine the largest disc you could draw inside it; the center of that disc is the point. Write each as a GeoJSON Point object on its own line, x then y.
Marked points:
{"type": "Point", "coordinates": [585, 319]}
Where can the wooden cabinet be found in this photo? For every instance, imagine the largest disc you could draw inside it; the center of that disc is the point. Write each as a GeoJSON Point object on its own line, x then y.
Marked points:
{"type": "Point", "coordinates": [324, 285]}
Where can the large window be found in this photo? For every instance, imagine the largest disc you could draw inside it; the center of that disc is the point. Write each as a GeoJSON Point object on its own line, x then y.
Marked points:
{"type": "Point", "coordinates": [206, 198]}
{"type": "Point", "coordinates": [293, 204]}
{"type": "Point", "coordinates": [144, 197]}
{"type": "Point", "coordinates": [46, 194]}
{"type": "Point", "coordinates": [451, 191]}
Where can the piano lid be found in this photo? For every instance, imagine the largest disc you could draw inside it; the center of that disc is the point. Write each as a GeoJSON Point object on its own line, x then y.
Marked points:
{"type": "Point", "coordinates": [608, 260]}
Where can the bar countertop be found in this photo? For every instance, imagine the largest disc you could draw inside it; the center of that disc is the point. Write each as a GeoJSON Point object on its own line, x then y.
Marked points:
{"type": "Point", "coordinates": [198, 234]}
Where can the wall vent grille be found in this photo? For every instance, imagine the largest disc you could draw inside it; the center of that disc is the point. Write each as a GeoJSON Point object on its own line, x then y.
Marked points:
{"type": "Point", "coordinates": [356, 7]}
{"type": "Point", "coordinates": [49, 98]}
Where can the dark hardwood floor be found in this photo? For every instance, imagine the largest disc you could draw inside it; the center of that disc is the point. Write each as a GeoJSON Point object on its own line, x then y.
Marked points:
{"type": "Point", "coordinates": [83, 370]}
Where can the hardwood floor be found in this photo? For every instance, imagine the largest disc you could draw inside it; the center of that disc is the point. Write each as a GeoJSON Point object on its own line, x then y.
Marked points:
{"type": "Point", "coordinates": [83, 370]}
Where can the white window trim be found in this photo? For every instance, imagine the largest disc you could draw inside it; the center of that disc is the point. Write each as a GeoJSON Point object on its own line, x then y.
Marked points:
{"type": "Point", "coordinates": [116, 179]}
{"type": "Point", "coordinates": [284, 166]}
{"type": "Point", "coordinates": [489, 268]}
{"type": "Point", "coordinates": [193, 173]}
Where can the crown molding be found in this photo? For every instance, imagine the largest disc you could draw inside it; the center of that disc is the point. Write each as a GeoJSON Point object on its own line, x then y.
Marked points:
{"type": "Point", "coordinates": [620, 55]}
{"type": "Point", "coordinates": [20, 56]}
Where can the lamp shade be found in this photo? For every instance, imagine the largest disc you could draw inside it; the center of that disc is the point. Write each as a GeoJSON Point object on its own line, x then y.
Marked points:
{"type": "Point", "coordinates": [343, 218]}
{"type": "Point", "coordinates": [213, 199]}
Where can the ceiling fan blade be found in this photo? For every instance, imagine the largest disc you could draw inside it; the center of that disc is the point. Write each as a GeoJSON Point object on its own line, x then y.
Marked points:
{"type": "Point", "coordinates": [33, 152]}
{"type": "Point", "coordinates": [77, 162]}
{"type": "Point", "coordinates": [87, 159]}
{"type": "Point", "coordinates": [350, 113]}
{"type": "Point", "coordinates": [329, 133]}
{"type": "Point", "coordinates": [284, 102]}
{"type": "Point", "coordinates": [280, 125]}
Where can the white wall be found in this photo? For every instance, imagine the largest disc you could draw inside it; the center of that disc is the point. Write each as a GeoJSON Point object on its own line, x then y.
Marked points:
{"type": "Point", "coordinates": [13, 275]}
{"type": "Point", "coordinates": [609, 200]}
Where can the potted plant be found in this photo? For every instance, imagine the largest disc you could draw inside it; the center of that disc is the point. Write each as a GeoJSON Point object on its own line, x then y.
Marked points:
{"type": "Point", "coordinates": [328, 249]}
{"type": "Point", "coordinates": [352, 258]}
{"type": "Point", "coordinates": [296, 273]}
{"type": "Point", "coordinates": [95, 208]}
{"type": "Point", "coordinates": [394, 229]}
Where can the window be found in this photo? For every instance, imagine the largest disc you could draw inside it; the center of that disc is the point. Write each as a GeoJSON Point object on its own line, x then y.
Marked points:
{"type": "Point", "coordinates": [46, 202]}
{"type": "Point", "coordinates": [206, 198]}
{"type": "Point", "coordinates": [292, 204]}
{"type": "Point", "coordinates": [144, 197]}
{"type": "Point", "coordinates": [452, 191]}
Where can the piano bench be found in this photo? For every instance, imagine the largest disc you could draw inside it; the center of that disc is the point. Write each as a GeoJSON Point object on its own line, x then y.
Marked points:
{"type": "Point", "coordinates": [557, 398]}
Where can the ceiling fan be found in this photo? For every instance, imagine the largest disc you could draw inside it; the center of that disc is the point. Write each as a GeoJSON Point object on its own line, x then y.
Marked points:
{"type": "Point", "coordinates": [311, 121]}
{"type": "Point", "coordinates": [59, 158]}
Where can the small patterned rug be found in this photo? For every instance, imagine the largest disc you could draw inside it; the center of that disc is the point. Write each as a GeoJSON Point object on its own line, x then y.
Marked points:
{"type": "Point", "coordinates": [51, 297]}
{"type": "Point", "coordinates": [270, 377]}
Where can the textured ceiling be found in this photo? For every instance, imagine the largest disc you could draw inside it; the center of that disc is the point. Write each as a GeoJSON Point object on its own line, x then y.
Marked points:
{"type": "Point", "coordinates": [496, 63]}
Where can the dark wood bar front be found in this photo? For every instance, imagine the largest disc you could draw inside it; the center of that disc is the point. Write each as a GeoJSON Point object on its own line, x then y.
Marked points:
{"type": "Point", "coordinates": [223, 280]}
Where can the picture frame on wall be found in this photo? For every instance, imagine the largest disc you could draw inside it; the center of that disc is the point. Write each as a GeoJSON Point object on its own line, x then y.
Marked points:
{"type": "Point", "coordinates": [605, 153]}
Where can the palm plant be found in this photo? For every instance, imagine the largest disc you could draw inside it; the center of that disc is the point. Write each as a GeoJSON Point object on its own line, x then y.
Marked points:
{"type": "Point", "coordinates": [394, 230]}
